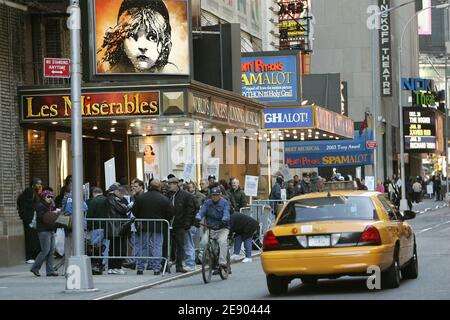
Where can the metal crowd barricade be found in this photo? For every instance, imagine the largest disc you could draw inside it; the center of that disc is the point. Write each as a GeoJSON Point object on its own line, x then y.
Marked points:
{"type": "Point", "coordinates": [261, 211]}
{"type": "Point", "coordinates": [121, 239]}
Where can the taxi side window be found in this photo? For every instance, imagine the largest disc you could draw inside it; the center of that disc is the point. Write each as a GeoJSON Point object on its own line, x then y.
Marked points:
{"type": "Point", "coordinates": [389, 208]}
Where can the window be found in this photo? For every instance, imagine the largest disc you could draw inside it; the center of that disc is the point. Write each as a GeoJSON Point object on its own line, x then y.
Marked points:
{"type": "Point", "coordinates": [329, 208]}
{"type": "Point", "coordinates": [389, 207]}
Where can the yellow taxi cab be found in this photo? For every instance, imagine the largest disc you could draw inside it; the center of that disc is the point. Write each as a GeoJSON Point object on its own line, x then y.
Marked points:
{"type": "Point", "coordinates": [339, 233]}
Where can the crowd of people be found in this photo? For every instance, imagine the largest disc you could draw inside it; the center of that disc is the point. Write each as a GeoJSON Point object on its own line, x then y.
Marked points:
{"type": "Point", "coordinates": [182, 204]}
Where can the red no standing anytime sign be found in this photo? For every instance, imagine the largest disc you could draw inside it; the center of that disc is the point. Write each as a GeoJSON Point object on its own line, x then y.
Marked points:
{"type": "Point", "coordinates": [56, 68]}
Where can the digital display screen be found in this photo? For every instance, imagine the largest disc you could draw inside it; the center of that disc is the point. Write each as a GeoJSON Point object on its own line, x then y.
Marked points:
{"type": "Point", "coordinates": [419, 130]}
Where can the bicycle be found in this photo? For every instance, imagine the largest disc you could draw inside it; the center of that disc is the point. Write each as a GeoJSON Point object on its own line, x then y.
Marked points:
{"type": "Point", "coordinates": [210, 259]}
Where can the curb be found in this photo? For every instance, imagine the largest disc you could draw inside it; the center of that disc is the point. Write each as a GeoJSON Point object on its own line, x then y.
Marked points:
{"type": "Point", "coordinates": [437, 207]}
{"type": "Point", "coordinates": [133, 290]}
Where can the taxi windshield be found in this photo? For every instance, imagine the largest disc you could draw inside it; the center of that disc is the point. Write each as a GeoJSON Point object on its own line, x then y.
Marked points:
{"type": "Point", "coordinates": [329, 208]}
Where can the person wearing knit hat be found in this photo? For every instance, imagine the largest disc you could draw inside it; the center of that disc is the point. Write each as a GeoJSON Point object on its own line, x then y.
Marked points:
{"type": "Point", "coordinates": [46, 235]}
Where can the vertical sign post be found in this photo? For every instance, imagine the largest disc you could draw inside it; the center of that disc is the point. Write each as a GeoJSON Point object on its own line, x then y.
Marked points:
{"type": "Point", "coordinates": [78, 272]}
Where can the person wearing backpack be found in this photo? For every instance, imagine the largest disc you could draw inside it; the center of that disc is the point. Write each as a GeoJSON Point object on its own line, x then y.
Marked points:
{"type": "Point", "coordinates": [26, 204]}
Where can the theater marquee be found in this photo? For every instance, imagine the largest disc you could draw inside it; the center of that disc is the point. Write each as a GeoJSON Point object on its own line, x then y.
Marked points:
{"type": "Point", "coordinates": [93, 105]}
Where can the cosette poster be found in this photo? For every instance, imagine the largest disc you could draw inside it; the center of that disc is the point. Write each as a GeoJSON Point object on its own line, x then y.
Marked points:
{"type": "Point", "coordinates": [141, 36]}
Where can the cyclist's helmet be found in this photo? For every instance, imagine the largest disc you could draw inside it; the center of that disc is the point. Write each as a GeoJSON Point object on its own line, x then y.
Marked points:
{"type": "Point", "coordinates": [216, 191]}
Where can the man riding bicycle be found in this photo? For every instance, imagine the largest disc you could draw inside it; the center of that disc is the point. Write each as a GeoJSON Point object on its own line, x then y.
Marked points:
{"type": "Point", "coordinates": [217, 212]}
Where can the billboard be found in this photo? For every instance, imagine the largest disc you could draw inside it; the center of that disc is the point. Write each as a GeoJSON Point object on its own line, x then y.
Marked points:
{"type": "Point", "coordinates": [329, 153]}
{"type": "Point", "coordinates": [271, 78]}
{"type": "Point", "coordinates": [288, 118]}
{"type": "Point", "coordinates": [93, 105]}
{"type": "Point", "coordinates": [135, 37]}
{"type": "Point", "coordinates": [420, 130]}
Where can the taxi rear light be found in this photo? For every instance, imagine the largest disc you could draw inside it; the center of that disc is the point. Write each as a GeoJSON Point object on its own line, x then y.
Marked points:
{"type": "Point", "coordinates": [270, 241]}
{"type": "Point", "coordinates": [370, 236]}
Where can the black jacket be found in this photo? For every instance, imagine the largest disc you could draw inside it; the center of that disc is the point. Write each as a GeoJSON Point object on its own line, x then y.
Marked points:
{"type": "Point", "coordinates": [239, 199]}
{"type": "Point", "coordinates": [152, 205]}
{"type": "Point", "coordinates": [42, 209]}
{"type": "Point", "coordinates": [115, 209]}
{"type": "Point", "coordinates": [243, 225]}
{"type": "Point", "coordinates": [26, 204]}
{"type": "Point", "coordinates": [184, 210]}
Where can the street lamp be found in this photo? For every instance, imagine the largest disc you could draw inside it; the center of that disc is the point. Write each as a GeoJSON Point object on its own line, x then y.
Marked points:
{"type": "Point", "coordinates": [403, 201]}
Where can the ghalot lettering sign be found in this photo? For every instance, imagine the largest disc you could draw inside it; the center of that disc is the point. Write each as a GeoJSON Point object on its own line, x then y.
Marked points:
{"type": "Point", "coordinates": [285, 118]}
{"type": "Point", "coordinates": [385, 50]}
{"type": "Point", "coordinates": [96, 105]}
{"type": "Point", "coordinates": [270, 78]}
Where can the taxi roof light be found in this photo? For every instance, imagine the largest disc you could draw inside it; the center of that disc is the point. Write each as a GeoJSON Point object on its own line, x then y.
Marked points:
{"type": "Point", "coordinates": [370, 236]}
{"type": "Point", "coordinates": [270, 241]}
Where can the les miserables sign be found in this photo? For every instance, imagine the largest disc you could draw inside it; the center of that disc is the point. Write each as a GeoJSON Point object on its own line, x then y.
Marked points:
{"type": "Point", "coordinates": [95, 105]}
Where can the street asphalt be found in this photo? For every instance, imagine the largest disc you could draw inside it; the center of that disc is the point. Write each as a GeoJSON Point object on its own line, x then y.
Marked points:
{"type": "Point", "coordinates": [248, 280]}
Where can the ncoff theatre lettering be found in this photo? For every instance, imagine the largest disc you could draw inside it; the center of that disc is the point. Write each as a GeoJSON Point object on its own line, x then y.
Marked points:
{"type": "Point", "coordinates": [92, 105]}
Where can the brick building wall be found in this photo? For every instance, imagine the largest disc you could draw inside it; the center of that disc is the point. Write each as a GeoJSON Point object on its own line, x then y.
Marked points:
{"type": "Point", "coordinates": [12, 146]}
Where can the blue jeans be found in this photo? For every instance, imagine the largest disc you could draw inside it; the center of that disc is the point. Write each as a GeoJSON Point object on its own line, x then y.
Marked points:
{"type": "Point", "coordinates": [247, 246]}
{"type": "Point", "coordinates": [47, 242]}
{"type": "Point", "coordinates": [189, 247]}
{"type": "Point", "coordinates": [135, 247]}
{"type": "Point", "coordinates": [150, 246]}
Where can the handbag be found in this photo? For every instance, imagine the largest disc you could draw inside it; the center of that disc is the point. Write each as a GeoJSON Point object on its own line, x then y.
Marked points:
{"type": "Point", "coordinates": [64, 220]}
{"type": "Point", "coordinates": [49, 218]}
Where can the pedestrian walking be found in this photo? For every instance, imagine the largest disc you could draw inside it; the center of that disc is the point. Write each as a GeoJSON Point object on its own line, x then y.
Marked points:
{"type": "Point", "coordinates": [46, 230]}
{"type": "Point", "coordinates": [243, 227]}
{"type": "Point", "coordinates": [26, 205]}
{"type": "Point", "coordinates": [152, 205]}
{"type": "Point", "coordinates": [182, 225]}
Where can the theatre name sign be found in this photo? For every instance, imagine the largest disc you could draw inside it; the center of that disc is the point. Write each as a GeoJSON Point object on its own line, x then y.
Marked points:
{"type": "Point", "coordinates": [95, 105]}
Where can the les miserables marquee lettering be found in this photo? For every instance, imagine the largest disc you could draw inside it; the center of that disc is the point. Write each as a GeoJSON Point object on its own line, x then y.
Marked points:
{"type": "Point", "coordinates": [36, 107]}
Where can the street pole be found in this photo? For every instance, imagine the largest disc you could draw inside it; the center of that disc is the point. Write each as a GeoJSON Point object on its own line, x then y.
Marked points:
{"type": "Point", "coordinates": [403, 201]}
{"type": "Point", "coordinates": [446, 125]}
{"type": "Point", "coordinates": [79, 271]}
{"type": "Point", "coordinates": [374, 34]}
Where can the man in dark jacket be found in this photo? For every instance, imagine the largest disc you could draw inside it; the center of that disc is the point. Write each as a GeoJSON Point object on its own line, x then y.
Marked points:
{"type": "Point", "coordinates": [275, 194]}
{"type": "Point", "coordinates": [97, 210]}
{"type": "Point", "coordinates": [26, 205]}
{"type": "Point", "coordinates": [243, 227]}
{"type": "Point", "coordinates": [116, 208]}
{"type": "Point", "coordinates": [152, 205]}
{"type": "Point", "coordinates": [184, 214]}
{"type": "Point", "coordinates": [237, 196]}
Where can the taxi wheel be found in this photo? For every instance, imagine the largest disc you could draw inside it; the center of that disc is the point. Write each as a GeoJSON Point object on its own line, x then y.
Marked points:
{"type": "Point", "coordinates": [391, 277]}
{"type": "Point", "coordinates": [277, 285]}
{"type": "Point", "coordinates": [411, 271]}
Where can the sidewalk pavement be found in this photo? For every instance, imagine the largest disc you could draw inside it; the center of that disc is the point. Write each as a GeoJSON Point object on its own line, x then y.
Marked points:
{"type": "Point", "coordinates": [18, 283]}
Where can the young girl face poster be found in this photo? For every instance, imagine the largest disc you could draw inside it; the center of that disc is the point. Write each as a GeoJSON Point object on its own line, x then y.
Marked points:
{"type": "Point", "coordinates": [141, 36]}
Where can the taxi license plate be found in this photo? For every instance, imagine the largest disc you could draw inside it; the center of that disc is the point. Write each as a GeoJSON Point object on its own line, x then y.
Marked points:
{"type": "Point", "coordinates": [319, 241]}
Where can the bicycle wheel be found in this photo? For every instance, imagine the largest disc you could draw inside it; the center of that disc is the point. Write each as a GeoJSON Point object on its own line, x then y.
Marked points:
{"type": "Point", "coordinates": [207, 264]}
{"type": "Point", "coordinates": [225, 272]}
